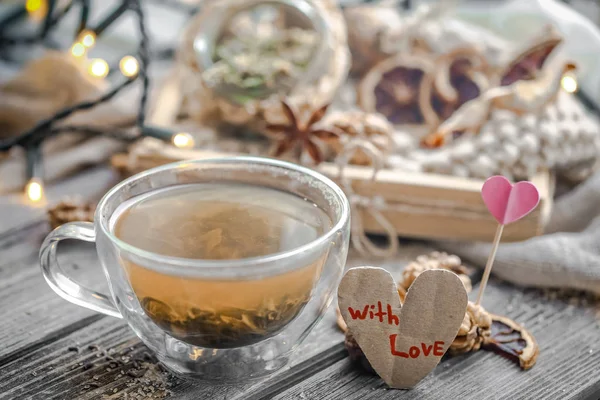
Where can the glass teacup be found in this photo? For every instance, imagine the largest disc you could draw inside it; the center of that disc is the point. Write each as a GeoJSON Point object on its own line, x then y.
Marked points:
{"type": "Point", "coordinates": [226, 319]}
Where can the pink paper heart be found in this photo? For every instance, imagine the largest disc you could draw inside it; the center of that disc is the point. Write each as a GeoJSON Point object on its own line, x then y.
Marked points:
{"type": "Point", "coordinates": [509, 203]}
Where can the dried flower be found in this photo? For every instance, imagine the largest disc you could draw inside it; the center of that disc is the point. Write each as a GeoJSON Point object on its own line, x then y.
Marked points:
{"type": "Point", "coordinates": [297, 133]}
{"type": "Point", "coordinates": [434, 260]}
{"type": "Point", "coordinates": [360, 124]}
{"type": "Point", "coordinates": [473, 331]}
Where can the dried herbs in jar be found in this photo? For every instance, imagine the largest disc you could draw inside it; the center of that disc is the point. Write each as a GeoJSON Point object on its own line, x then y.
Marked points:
{"type": "Point", "coordinates": [261, 62]}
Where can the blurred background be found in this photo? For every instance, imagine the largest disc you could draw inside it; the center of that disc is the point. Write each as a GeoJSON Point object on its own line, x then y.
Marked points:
{"type": "Point", "coordinates": [57, 55]}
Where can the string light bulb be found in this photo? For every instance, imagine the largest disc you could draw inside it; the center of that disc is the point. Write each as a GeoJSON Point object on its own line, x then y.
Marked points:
{"type": "Point", "coordinates": [36, 9]}
{"type": "Point", "coordinates": [34, 190]}
{"type": "Point", "coordinates": [78, 50]}
{"type": "Point", "coordinates": [129, 66]}
{"type": "Point", "coordinates": [183, 140]}
{"type": "Point", "coordinates": [33, 5]}
{"type": "Point", "coordinates": [569, 83]}
{"type": "Point", "coordinates": [98, 68]}
{"type": "Point", "coordinates": [87, 38]}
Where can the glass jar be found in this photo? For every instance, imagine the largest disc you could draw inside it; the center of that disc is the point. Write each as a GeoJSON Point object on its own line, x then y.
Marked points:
{"type": "Point", "coordinates": [317, 76]}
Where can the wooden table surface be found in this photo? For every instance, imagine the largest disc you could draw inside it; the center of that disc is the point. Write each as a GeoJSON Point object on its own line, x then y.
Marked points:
{"type": "Point", "coordinates": [51, 349]}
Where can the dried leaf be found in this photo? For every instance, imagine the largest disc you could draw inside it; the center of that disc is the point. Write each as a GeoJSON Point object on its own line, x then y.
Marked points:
{"type": "Point", "coordinates": [530, 62]}
{"type": "Point", "coordinates": [224, 328]}
{"type": "Point", "coordinates": [212, 239]}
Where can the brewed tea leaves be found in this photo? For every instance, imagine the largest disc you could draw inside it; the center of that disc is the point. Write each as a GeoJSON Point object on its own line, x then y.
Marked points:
{"type": "Point", "coordinates": [226, 328]}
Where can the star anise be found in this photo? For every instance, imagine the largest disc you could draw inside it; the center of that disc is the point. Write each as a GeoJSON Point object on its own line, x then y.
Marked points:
{"type": "Point", "coordinates": [296, 133]}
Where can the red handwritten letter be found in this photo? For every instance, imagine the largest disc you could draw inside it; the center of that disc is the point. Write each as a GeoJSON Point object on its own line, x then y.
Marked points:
{"type": "Point", "coordinates": [379, 314]}
{"type": "Point", "coordinates": [393, 347]}
{"type": "Point", "coordinates": [355, 314]}
{"type": "Point", "coordinates": [392, 319]}
{"type": "Point", "coordinates": [414, 352]}
{"type": "Point", "coordinates": [426, 349]}
{"type": "Point", "coordinates": [438, 348]}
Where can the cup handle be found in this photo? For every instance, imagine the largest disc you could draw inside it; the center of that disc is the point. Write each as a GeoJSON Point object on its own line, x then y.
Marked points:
{"type": "Point", "coordinates": [64, 286]}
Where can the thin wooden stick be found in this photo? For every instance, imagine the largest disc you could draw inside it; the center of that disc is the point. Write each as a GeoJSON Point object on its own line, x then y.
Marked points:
{"type": "Point", "coordinates": [490, 262]}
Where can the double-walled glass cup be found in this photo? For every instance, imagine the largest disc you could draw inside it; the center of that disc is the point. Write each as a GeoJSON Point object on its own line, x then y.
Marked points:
{"type": "Point", "coordinates": [254, 312]}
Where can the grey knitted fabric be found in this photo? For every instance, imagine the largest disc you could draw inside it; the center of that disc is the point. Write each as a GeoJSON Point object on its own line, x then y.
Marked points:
{"type": "Point", "coordinates": [567, 256]}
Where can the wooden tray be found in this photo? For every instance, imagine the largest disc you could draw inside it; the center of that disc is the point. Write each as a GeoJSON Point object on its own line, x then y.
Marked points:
{"type": "Point", "coordinates": [418, 205]}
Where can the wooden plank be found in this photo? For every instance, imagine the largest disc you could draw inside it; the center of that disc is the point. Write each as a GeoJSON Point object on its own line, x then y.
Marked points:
{"type": "Point", "coordinates": [440, 207]}
{"type": "Point", "coordinates": [31, 312]}
{"type": "Point", "coordinates": [417, 204]}
{"type": "Point", "coordinates": [568, 365]}
{"type": "Point", "coordinates": [439, 224]}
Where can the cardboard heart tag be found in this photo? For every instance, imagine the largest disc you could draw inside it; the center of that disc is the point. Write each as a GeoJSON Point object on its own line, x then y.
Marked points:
{"type": "Point", "coordinates": [403, 343]}
{"type": "Point", "coordinates": [507, 202]}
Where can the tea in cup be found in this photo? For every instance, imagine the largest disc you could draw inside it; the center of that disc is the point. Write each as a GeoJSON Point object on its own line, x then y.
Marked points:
{"type": "Point", "coordinates": [220, 266]}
